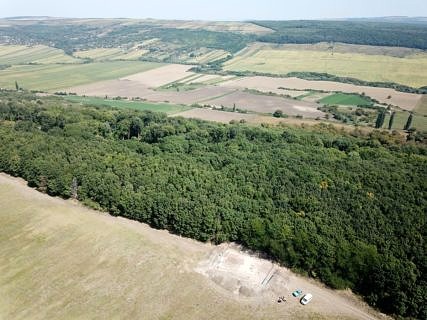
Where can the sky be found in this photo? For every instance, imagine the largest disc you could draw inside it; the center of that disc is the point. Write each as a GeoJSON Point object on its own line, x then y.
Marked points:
{"type": "Point", "coordinates": [214, 9]}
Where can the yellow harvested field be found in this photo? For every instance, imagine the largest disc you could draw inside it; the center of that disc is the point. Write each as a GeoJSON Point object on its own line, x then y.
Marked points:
{"type": "Point", "coordinates": [410, 70]}
{"type": "Point", "coordinates": [59, 260]}
{"type": "Point", "coordinates": [101, 54]}
{"type": "Point", "coordinates": [407, 101]}
{"type": "Point", "coordinates": [161, 76]}
{"type": "Point", "coordinates": [209, 56]}
{"type": "Point", "coordinates": [14, 54]}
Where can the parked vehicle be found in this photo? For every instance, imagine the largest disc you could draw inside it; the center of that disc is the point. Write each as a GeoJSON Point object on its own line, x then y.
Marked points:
{"type": "Point", "coordinates": [306, 299]}
{"type": "Point", "coordinates": [297, 293]}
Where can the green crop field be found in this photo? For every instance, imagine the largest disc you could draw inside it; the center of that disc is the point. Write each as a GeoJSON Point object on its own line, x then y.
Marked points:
{"type": "Point", "coordinates": [419, 122]}
{"type": "Point", "coordinates": [346, 100]}
{"type": "Point", "coordinates": [410, 70]}
{"type": "Point", "coordinates": [421, 108]}
{"type": "Point", "coordinates": [10, 54]}
{"type": "Point", "coordinates": [125, 104]}
{"type": "Point", "coordinates": [56, 77]}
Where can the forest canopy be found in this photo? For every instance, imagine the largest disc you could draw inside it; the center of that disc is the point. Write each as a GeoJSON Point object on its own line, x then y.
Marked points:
{"type": "Point", "coordinates": [347, 208]}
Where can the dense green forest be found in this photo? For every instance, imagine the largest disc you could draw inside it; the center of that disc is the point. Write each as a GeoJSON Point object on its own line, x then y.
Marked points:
{"type": "Point", "coordinates": [347, 208]}
{"type": "Point", "coordinates": [355, 32]}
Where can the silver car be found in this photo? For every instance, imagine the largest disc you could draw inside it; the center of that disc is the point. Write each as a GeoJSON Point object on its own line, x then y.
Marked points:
{"type": "Point", "coordinates": [306, 299]}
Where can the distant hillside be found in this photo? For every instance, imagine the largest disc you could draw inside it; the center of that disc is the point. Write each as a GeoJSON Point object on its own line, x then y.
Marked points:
{"type": "Point", "coordinates": [378, 33]}
{"type": "Point", "coordinates": [395, 19]}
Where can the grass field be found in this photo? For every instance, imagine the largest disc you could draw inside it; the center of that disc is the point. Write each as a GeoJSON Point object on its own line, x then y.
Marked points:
{"type": "Point", "coordinates": [11, 54]}
{"type": "Point", "coordinates": [421, 107]}
{"type": "Point", "coordinates": [346, 100]}
{"type": "Point", "coordinates": [135, 105]}
{"type": "Point", "coordinates": [55, 77]}
{"type": "Point", "coordinates": [410, 70]}
{"type": "Point", "coordinates": [419, 121]}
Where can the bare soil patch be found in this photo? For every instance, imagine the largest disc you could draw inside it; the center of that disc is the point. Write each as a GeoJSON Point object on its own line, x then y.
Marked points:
{"type": "Point", "coordinates": [267, 104]}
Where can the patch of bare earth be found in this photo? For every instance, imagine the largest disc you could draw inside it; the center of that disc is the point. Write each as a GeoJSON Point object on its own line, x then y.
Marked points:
{"type": "Point", "coordinates": [407, 101]}
{"type": "Point", "coordinates": [59, 260]}
{"type": "Point", "coordinates": [267, 104]}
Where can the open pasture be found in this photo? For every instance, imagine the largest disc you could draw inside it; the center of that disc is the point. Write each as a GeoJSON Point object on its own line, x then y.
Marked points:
{"type": "Point", "coordinates": [126, 104]}
{"type": "Point", "coordinates": [410, 70]}
{"type": "Point", "coordinates": [56, 77]}
{"type": "Point", "coordinates": [419, 122]}
{"type": "Point", "coordinates": [14, 54]}
{"type": "Point", "coordinates": [407, 101]}
{"type": "Point", "coordinates": [345, 100]}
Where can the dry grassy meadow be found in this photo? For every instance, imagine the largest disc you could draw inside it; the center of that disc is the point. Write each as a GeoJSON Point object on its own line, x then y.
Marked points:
{"type": "Point", "coordinates": [410, 70]}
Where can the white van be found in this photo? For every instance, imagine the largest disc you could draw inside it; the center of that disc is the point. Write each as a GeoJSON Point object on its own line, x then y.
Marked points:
{"type": "Point", "coordinates": [306, 299]}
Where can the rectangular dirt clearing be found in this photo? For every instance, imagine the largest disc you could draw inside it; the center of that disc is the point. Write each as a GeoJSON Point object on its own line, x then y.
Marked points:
{"type": "Point", "coordinates": [267, 104]}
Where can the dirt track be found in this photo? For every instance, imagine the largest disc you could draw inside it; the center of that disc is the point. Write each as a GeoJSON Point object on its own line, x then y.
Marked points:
{"type": "Point", "coordinates": [59, 260]}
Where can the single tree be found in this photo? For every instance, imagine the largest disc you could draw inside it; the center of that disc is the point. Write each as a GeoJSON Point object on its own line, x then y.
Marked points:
{"type": "Point", "coordinates": [391, 121]}
{"type": "Point", "coordinates": [409, 122]}
{"type": "Point", "coordinates": [278, 114]}
{"type": "Point", "coordinates": [16, 85]}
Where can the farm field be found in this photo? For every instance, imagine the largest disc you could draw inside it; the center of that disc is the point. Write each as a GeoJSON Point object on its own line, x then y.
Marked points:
{"type": "Point", "coordinates": [14, 54]}
{"type": "Point", "coordinates": [56, 77]}
{"type": "Point", "coordinates": [410, 70]}
{"type": "Point", "coordinates": [407, 101]}
{"type": "Point", "coordinates": [105, 54]}
{"type": "Point", "coordinates": [161, 76]}
{"type": "Point", "coordinates": [419, 121]}
{"type": "Point", "coordinates": [346, 100]}
{"type": "Point", "coordinates": [208, 56]}
{"type": "Point", "coordinates": [137, 89]}
{"type": "Point", "coordinates": [64, 261]}
{"type": "Point", "coordinates": [421, 107]}
{"type": "Point", "coordinates": [135, 105]}
{"type": "Point", "coordinates": [267, 104]}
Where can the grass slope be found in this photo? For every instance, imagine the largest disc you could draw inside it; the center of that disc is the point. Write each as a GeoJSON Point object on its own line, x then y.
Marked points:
{"type": "Point", "coordinates": [123, 104]}
{"type": "Point", "coordinates": [346, 100]}
{"type": "Point", "coordinates": [411, 70]}
{"type": "Point", "coordinates": [55, 77]}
